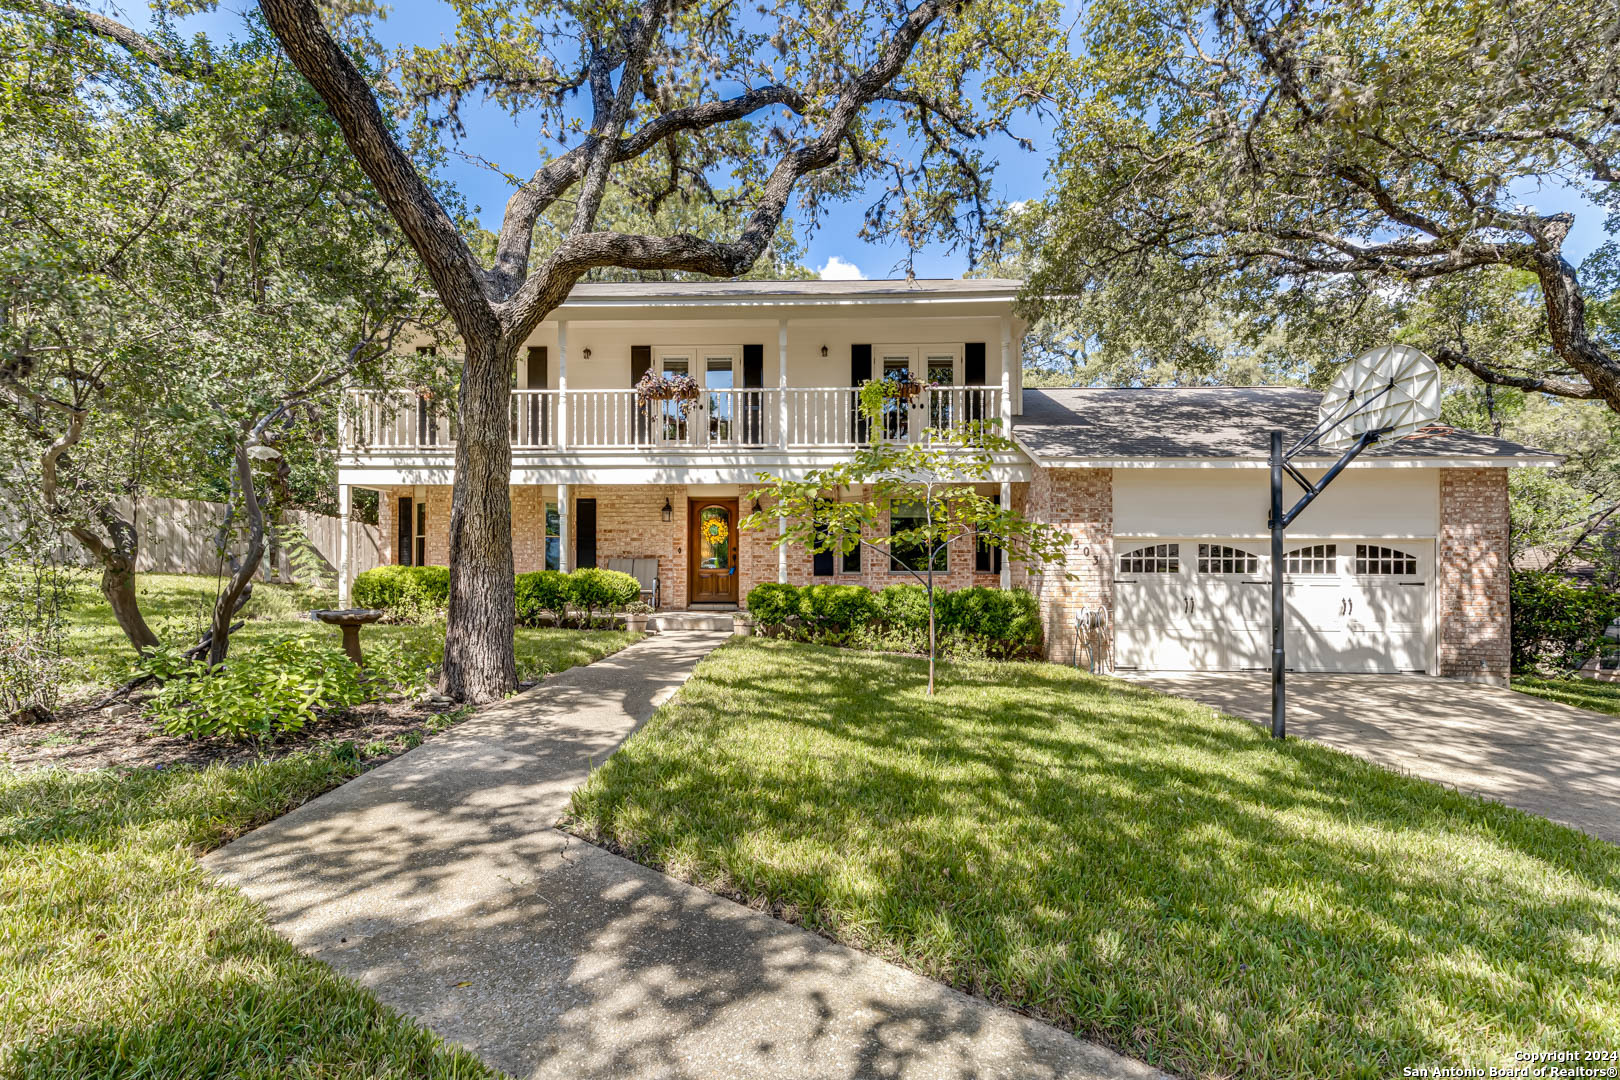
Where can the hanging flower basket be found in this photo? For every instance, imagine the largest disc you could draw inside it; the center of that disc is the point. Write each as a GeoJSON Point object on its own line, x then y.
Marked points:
{"type": "Point", "coordinates": [681, 389]}
{"type": "Point", "coordinates": [901, 388]}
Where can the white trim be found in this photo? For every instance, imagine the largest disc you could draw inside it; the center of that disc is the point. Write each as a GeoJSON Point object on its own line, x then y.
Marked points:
{"type": "Point", "coordinates": [1538, 462]}
{"type": "Point", "coordinates": [344, 555]}
{"type": "Point", "coordinates": [573, 304]}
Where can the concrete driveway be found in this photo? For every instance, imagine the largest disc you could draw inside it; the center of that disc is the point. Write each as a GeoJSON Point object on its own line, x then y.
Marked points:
{"type": "Point", "coordinates": [1560, 762]}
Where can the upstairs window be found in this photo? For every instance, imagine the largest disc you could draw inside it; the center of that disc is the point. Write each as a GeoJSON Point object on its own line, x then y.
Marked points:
{"type": "Point", "coordinates": [1152, 559]}
{"type": "Point", "coordinates": [1384, 561]}
{"type": "Point", "coordinates": [1219, 559]}
{"type": "Point", "coordinates": [1315, 559]}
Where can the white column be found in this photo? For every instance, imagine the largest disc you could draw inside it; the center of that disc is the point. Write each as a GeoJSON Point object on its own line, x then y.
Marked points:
{"type": "Point", "coordinates": [1006, 563]}
{"type": "Point", "coordinates": [781, 383]}
{"type": "Point", "coordinates": [1006, 377]}
{"type": "Point", "coordinates": [343, 545]}
{"type": "Point", "coordinates": [565, 550]}
{"type": "Point", "coordinates": [781, 553]}
{"type": "Point", "coordinates": [562, 384]}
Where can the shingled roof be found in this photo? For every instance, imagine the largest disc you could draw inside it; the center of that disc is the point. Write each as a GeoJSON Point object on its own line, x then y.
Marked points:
{"type": "Point", "coordinates": [1211, 422]}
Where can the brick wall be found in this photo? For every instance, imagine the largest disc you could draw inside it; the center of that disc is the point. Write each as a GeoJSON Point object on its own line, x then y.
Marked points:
{"type": "Point", "coordinates": [630, 525]}
{"type": "Point", "coordinates": [1473, 574]}
{"type": "Point", "coordinates": [1082, 502]}
{"type": "Point", "coordinates": [438, 523]}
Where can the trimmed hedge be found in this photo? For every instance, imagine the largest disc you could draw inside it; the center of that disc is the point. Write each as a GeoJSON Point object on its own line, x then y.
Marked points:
{"type": "Point", "coordinates": [596, 589]}
{"type": "Point", "coordinates": [1558, 625]}
{"type": "Point", "coordinates": [968, 622]}
{"type": "Point", "coordinates": [542, 593]}
{"type": "Point", "coordinates": [403, 589]}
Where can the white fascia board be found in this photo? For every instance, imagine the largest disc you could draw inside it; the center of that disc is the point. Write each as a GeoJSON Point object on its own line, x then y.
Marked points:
{"type": "Point", "coordinates": [630, 468]}
{"type": "Point", "coordinates": [1300, 463]}
{"type": "Point", "coordinates": [574, 307]}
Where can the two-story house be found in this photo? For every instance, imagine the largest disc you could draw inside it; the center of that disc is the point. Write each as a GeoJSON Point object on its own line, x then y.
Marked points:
{"type": "Point", "coordinates": [1401, 566]}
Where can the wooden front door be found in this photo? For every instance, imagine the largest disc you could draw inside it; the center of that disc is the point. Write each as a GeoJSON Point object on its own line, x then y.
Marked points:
{"type": "Point", "coordinates": [713, 543]}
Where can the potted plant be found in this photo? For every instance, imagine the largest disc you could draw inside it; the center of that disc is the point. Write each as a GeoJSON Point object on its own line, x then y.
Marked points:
{"type": "Point", "coordinates": [681, 389]}
{"type": "Point", "coordinates": [635, 616]}
{"type": "Point", "coordinates": [742, 624]}
{"type": "Point", "coordinates": [901, 387]}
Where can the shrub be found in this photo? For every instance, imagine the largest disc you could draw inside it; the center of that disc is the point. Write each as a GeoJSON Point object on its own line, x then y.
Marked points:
{"type": "Point", "coordinates": [542, 592]}
{"type": "Point", "coordinates": [773, 604]}
{"type": "Point", "coordinates": [1004, 622]}
{"type": "Point", "coordinates": [1557, 624]}
{"type": "Point", "coordinates": [275, 688]}
{"type": "Point", "coordinates": [405, 592]}
{"type": "Point", "coordinates": [836, 609]}
{"type": "Point", "coordinates": [594, 588]}
{"type": "Point", "coordinates": [904, 607]}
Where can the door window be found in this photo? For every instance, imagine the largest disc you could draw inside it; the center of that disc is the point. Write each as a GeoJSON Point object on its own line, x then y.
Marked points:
{"type": "Point", "coordinates": [1313, 559]}
{"type": "Point", "coordinates": [1152, 559]}
{"type": "Point", "coordinates": [942, 373]}
{"type": "Point", "coordinates": [714, 538]}
{"type": "Point", "coordinates": [1220, 559]}
{"type": "Point", "coordinates": [719, 379]}
{"type": "Point", "coordinates": [1374, 561]}
{"type": "Point", "coordinates": [673, 413]}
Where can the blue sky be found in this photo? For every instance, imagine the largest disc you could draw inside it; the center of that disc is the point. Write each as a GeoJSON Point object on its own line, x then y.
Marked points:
{"type": "Point", "coordinates": [834, 248]}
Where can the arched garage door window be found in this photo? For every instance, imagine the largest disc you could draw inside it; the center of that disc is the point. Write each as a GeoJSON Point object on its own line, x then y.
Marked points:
{"type": "Point", "coordinates": [1152, 559]}
{"type": "Point", "coordinates": [1312, 559]}
{"type": "Point", "coordinates": [1220, 559]}
{"type": "Point", "coordinates": [1374, 561]}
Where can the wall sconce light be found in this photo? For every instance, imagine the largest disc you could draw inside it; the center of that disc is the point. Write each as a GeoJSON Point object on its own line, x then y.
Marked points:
{"type": "Point", "coordinates": [668, 512]}
{"type": "Point", "coordinates": [824, 350]}
{"type": "Point", "coordinates": [585, 353]}
{"type": "Point", "coordinates": [756, 506]}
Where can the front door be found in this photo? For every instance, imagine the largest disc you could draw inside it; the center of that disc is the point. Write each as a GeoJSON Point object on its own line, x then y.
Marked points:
{"type": "Point", "coordinates": [713, 543]}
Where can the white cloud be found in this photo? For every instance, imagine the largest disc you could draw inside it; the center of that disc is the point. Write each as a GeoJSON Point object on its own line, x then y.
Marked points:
{"type": "Point", "coordinates": [837, 269]}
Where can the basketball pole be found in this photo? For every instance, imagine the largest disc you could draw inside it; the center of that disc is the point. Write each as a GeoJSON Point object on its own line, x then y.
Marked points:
{"type": "Point", "coordinates": [1279, 647]}
{"type": "Point", "coordinates": [1279, 522]}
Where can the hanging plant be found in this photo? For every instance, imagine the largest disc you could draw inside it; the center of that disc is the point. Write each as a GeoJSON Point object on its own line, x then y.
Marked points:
{"type": "Point", "coordinates": [681, 389]}
{"type": "Point", "coordinates": [901, 387]}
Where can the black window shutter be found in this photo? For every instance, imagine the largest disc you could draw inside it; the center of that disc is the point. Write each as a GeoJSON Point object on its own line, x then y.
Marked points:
{"type": "Point", "coordinates": [585, 533]}
{"type": "Point", "coordinates": [640, 364]}
{"type": "Point", "coordinates": [973, 364]}
{"type": "Point", "coordinates": [860, 370]}
{"type": "Point", "coordinates": [987, 559]}
{"type": "Point", "coordinates": [860, 364]}
{"type": "Point", "coordinates": [405, 518]}
{"type": "Point", "coordinates": [753, 365]}
{"type": "Point", "coordinates": [824, 564]}
{"type": "Point", "coordinates": [537, 372]}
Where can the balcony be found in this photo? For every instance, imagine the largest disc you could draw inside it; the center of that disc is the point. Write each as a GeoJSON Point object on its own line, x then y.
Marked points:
{"type": "Point", "coordinates": [809, 418]}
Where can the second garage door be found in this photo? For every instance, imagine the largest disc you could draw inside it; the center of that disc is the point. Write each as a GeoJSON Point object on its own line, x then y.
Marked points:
{"type": "Point", "coordinates": [1204, 605]}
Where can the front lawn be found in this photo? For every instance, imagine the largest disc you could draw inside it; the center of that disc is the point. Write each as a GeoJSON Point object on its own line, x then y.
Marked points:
{"type": "Point", "coordinates": [1581, 693]}
{"type": "Point", "coordinates": [120, 957]}
{"type": "Point", "coordinates": [1127, 865]}
{"type": "Point", "coordinates": [177, 607]}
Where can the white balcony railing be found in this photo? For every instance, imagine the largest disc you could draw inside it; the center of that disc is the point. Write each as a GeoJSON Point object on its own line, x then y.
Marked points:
{"type": "Point", "coordinates": [732, 419]}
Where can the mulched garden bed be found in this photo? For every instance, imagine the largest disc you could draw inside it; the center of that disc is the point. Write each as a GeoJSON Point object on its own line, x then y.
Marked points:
{"type": "Point", "coordinates": [117, 736]}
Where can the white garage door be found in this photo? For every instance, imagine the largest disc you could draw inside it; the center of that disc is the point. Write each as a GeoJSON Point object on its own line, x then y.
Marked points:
{"type": "Point", "coordinates": [1205, 605]}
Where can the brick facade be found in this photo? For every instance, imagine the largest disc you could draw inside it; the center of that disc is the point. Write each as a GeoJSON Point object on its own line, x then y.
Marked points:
{"type": "Point", "coordinates": [1082, 502]}
{"type": "Point", "coordinates": [1473, 574]}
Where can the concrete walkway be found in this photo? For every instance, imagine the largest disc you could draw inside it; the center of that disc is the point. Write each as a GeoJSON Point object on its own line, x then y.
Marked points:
{"type": "Point", "coordinates": [1550, 759]}
{"type": "Point", "coordinates": [437, 881]}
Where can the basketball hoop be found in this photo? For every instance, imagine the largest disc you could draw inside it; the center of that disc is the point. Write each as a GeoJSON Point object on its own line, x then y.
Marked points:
{"type": "Point", "coordinates": [1385, 393]}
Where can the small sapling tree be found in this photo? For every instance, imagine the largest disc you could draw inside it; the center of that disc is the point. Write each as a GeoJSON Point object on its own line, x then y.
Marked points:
{"type": "Point", "coordinates": [840, 508]}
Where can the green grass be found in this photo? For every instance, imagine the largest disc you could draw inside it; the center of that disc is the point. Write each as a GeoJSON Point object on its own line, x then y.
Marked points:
{"type": "Point", "coordinates": [1130, 866]}
{"type": "Point", "coordinates": [177, 607]}
{"type": "Point", "coordinates": [119, 956]}
{"type": "Point", "coordinates": [1581, 693]}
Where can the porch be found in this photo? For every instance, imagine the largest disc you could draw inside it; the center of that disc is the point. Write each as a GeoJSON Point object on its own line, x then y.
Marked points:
{"type": "Point", "coordinates": [759, 418]}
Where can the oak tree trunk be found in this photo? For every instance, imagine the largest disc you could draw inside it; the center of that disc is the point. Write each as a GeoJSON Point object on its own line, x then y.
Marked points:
{"type": "Point", "coordinates": [479, 663]}
{"type": "Point", "coordinates": [118, 586]}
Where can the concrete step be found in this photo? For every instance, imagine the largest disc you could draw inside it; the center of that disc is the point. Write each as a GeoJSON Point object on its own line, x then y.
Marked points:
{"type": "Point", "coordinates": [691, 620]}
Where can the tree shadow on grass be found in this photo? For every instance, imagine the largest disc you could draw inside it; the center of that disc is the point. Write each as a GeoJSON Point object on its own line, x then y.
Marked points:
{"type": "Point", "coordinates": [1127, 865]}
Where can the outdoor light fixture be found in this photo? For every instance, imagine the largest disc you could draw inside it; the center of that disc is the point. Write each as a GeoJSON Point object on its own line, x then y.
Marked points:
{"type": "Point", "coordinates": [668, 512]}
{"type": "Point", "coordinates": [585, 353]}
{"type": "Point", "coordinates": [824, 350]}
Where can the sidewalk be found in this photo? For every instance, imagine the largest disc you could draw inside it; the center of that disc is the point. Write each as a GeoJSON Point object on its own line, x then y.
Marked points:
{"type": "Point", "coordinates": [438, 881]}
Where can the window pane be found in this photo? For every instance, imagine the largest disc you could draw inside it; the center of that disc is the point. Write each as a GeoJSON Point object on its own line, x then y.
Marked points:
{"type": "Point", "coordinates": [553, 520]}
{"type": "Point", "coordinates": [553, 553]}
{"type": "Point", "coordinates": [905, 516]}
{"type": "Point", "coordinates": [714, 538]}
{"type": "Point", "coordinates": [1152, 559]}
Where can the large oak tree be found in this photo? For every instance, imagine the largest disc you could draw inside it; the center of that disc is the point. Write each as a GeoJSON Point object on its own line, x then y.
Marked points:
{"type": "Point", "coordinates": [1321, 169]}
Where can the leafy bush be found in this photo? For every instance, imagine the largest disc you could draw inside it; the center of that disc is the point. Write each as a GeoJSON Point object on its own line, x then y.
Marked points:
{"type": "Point", "coordinates": [405, 592]}
{"type": "Point", "coordinates": [1004, 622]}
{"type": "Point", "coordinates": [33, 638]}
{"type": "Point", "coordinates": [1557, 624]}
{"type": "Point", "coordinates": [904, 607]}
{"type": "Point", "coordinates": [594, 589]}
{"type": "Point", "coordinates": [542, 592]}
{"type": "Point", "coordinates": [836, 609]}
{"type": "Point", "coordinates": [773, 604]}
{"type": "Point", "coordinates": [275, 688]}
